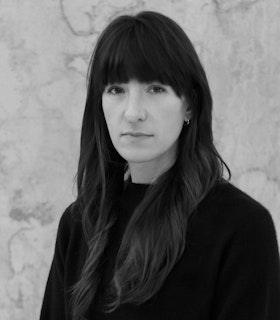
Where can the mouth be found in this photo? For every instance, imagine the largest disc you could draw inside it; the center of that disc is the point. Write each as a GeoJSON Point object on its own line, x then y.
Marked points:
{"type": "Point", "coordinates": [136, 134]}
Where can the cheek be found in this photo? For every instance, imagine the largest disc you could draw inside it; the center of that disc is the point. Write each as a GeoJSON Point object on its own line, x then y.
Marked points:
{"type": "Point", "coordinates": [171, 124]}
{"type": "Point", "coordinates": [109, 116]}
{"type": "Point", "coordinates": [169, 136]}
{"type": "Point", "coordinates": [112, 126]}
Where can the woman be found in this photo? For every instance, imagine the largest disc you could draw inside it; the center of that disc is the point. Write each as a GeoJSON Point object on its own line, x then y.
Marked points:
{"type": "Point", "coordinates": [156, 232]}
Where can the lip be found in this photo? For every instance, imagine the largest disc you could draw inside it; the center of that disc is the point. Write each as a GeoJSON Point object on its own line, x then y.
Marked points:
{"type": "Point", "coordinates": [136, 134]}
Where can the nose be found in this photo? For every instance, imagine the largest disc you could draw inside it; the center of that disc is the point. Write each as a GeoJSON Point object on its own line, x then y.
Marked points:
{"type": "Point", "coordinates": [134, 109]}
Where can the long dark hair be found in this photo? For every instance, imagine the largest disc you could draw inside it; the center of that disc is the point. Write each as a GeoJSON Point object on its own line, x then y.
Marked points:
{"type": "Point", "coordinates": [149, 47]}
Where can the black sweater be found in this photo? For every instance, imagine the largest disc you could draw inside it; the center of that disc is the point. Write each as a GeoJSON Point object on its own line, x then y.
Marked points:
{"type": "Point", "coordinates": [229, 270]}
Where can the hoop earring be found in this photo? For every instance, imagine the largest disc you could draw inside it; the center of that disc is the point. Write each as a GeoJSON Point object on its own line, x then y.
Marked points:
{"type": "Point", "coordinates": [186, 122]}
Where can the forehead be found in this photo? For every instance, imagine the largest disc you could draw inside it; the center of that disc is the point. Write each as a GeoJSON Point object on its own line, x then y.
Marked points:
{"type": "Point", "coordinates": [137, 82]}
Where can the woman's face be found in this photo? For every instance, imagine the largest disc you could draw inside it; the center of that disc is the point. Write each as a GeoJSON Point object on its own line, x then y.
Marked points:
{"type": "Point", "coordinates": [144, 120]}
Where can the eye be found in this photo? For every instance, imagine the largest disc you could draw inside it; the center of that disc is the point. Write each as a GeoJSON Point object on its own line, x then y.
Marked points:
{"type": "Point", "coordinates": [157, 89]}
{"type": "Point", "coordinates": [115, 90]}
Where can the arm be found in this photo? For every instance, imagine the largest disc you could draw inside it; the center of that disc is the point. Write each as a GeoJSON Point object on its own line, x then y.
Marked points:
{"type": "Point", "coordinates": [53, 306]}
{"type": "Point", "coordinates": [249, 282]}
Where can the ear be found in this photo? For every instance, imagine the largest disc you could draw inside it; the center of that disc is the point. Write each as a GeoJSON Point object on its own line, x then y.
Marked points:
{"type": "Point", "coordinates": [188, 112]}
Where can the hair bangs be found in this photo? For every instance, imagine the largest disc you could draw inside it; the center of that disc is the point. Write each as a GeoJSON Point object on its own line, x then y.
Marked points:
{"type": "Point", "coordinates": [135, 54]}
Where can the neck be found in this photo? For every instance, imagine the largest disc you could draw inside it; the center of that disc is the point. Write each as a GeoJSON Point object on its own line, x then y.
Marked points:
{"type": "Point", "coordinates": [148, 172]}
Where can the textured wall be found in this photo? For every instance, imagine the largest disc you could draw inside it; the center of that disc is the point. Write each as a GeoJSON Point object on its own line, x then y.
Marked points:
{"type": "Point", "coordinates": [44, 51]}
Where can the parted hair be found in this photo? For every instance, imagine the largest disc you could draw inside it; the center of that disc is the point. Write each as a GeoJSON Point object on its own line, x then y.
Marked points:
{"type": "Point", "coordinates": [148, 47]}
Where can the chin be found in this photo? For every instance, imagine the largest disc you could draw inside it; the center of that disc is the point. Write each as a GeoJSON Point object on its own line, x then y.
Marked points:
{"type": "Point", "coordinates": [136, 157]}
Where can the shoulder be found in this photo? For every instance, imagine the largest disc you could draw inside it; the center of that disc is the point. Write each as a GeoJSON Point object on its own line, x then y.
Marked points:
{"type": "Point", "coordinates": [232, 213]}
{"type": "Point", "coordinates": [69, 218]}
{"type": "Point", "coordinates": [69, 227]}
{"type": "Point", "coordinates": [234, 203]}
{"type": "Point", "coordinates": [227, 196]}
